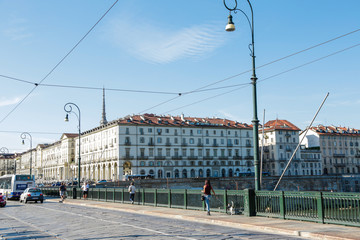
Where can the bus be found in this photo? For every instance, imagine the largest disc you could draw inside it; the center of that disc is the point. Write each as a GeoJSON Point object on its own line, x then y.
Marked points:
{"type": "Point", "coordinates": [12, 186]}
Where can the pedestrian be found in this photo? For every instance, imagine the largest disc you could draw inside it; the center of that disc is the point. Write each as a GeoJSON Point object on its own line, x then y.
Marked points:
{"type": "Point", "coordinates": [207, 189]}
{"type": "Point", "coordinates": [85, 189]}
{"type": "Point", "coordinates": [132, 191]}
{"type": "Point", "coordinates": [62, 190]}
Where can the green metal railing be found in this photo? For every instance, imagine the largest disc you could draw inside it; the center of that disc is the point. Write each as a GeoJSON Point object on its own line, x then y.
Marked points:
{"type": "Point", "coordinates": [322, 207]}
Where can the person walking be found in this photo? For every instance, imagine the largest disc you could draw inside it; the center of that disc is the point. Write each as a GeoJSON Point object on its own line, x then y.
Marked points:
{"type": "Point", "coordinates": [85, 189]}
{"type": "Point", "coordinates": [207, 189]}
{"type": "Point", "coordinates": [132, 191]}
{"type": "Point", "coordinates": [62, 190]}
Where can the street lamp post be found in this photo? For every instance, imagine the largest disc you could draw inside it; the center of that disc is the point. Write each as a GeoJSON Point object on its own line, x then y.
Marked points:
{"type": "Point", "coordinates": [4, 150]}
{"type": "Point", "coordinates": [24, 136]}
{"type": "Point", "coordinates": [231, 27]}
{"type": "Point", "coordinates": [68, 109]}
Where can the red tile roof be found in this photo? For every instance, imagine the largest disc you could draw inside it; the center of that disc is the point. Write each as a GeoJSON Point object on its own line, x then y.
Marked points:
{"type": "Point", "coordinates": [154, 120]}
{"type": "Point", "coordinates": [280, 125]}
{"type": "Point", "coordinates": [335, 131]}
{"type": "Point", "coordinates": [71, 135]}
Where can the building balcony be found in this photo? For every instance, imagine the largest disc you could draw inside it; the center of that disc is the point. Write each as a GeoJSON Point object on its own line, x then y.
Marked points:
{"type": "Point", "coordinates": [192, 158]}
{"type": "Point", "coordinates": [230, 145]}
{"type": "Point", "coordinates": [215, 145]}
{"type": "Point", "coordinates": [339, 164]}
{"type": "Point", "coordinates": [249, 157]}
{"type": "Point", "coordinates": [176, 158]}
{"type": "Point", "coordinates": [151, 144]}
{"type": "Point", "coordinates": [357, 155]}
{"type": "Point", "coordinates": [127, 143]}
{"type": "Point", "coordinates": [287, 135]}
{"type": "Point", "coordinates": [200, 145]}
{"type": "Point", "coordinates": [266, 149]}
{"type": "Point", "coordinates": [237, 157]}
{"type": "Point", "coordinates": [143, 157]}
{"type": "Point", "coordinates": [160, 157]}
{"type": "Point", "coordinates": [223, 158]}
{"type": "Point", "coordinates": [128, 157]}
{"type": "Point", "coordinates": [248, 145]}
{"type": "Point", "coordinates": [208, 158]}
{"type": "Point", "coordinates": [168, 144]}
{"type": "Point", "coordinates": [288, 149]}
{"type": "Point", "coordinates": [338, 155]}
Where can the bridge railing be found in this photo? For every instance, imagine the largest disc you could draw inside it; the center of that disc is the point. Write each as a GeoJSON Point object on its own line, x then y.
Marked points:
{"type": "Point", "coordinates": [322, 207]}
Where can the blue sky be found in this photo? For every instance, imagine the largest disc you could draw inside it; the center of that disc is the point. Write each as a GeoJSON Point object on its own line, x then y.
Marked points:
{"type": "Point", "coordinates": [174, 46]}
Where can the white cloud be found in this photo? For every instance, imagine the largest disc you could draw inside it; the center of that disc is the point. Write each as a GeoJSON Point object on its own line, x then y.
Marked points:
{"type": "Point", "coordinates": [158, 45]}
{"type": "Point", "coordinates": [16, 29]}
{"type": "Point", "coordinates": [6, 102]}
{"type": "Point", "coordinates": [16, 33]}
{"type": "Point", "coordinates": [344, 103]}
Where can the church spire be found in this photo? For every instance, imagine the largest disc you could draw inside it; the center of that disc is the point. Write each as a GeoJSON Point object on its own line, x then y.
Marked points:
{"type": "Point", "coordinates": [103, 117]}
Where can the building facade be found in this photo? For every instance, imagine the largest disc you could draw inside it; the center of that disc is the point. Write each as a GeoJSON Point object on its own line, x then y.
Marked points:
{"type": "Point", "coordinates": [278, 144]}
{"type": "Point", "coordinates": [339, 148]}
{"type": "Point", "coordinates": [147, 145]}
{"type": "Point", "coordinates": [7, 163]}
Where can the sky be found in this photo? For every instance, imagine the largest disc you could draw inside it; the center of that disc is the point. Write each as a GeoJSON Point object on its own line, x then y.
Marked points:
{"type": "Point", "coordinates": [163, 48]}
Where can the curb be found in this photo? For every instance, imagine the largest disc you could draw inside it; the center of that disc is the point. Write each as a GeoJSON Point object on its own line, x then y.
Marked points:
{"type": "Point", "coordinates": [305, 234]}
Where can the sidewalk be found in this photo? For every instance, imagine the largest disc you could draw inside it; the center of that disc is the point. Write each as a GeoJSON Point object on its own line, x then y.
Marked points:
{"type": "Point", "coordinates": [262, 224]}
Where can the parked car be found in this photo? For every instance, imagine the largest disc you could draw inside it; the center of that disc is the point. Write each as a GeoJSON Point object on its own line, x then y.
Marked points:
{"type": "Point", "coordinates": [40, 185]}
{"type": "Point", "coordinates": [32, 194]}
{"type": "Point", "coordinates": [2, 200]}
{"type": "Point", "coordinates": [102, 181]}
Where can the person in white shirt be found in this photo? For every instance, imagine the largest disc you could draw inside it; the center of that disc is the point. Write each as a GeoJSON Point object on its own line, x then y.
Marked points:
{"type": "Point", "coordinates": [132, 191]}
{"type": "Point", "coordinates": [85, 189]}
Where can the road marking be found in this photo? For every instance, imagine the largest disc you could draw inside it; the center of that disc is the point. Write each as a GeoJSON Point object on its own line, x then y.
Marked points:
{"type": "Point", "coordinates": [34, 226]}
{"type": "Point", "coordinates": [120, 223]}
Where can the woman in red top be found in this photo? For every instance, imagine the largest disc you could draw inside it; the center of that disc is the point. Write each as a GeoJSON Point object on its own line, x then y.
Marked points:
{"type": "Point", "coordinates": [207, 194]}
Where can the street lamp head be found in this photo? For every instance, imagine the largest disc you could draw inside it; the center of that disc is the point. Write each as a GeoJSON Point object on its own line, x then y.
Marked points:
{"type": "Point", "coordinates": [66, 118]}
{"type": "Point", "coordinates": [23, 142]}
{"type": "Point", "coordinates": [230, 27]}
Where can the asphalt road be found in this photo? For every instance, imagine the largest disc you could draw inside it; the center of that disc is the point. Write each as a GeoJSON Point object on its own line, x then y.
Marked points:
{"type": "Point", "coordinates": [52, 220]}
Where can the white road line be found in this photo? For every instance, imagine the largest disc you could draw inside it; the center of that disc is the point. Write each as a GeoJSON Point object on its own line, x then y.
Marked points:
{"type": "Point", "coordinates": [120, 223]}
{"type": "Point", "coordinates": [34, 226]}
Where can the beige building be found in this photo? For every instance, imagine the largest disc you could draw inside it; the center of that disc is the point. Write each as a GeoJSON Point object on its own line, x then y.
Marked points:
{"type": "Point", "coordinates": [7, 163]}
{"type": "Point", "coordinates": [281, 138]}
{"type": "Point", "coordinates": [339, 146]}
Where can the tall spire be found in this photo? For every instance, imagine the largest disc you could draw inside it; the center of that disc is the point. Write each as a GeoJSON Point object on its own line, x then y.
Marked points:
{"type": "Point", "coordinates": [103, 117]}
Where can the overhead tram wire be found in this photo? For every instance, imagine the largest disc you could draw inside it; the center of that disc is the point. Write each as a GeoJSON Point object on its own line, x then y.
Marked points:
{"type": "Point", "coordinates": [53, 69]}
{"type": "Point", "coordinates": [193, 91]}
{"type": "Point", "coordinates": [261, 66]}
{"type": "Point", "coordinates": [17, 79]}
{"type": "Point", "coordinates": [50, 133]}
{"type": "Point", "coordinates": [110, 89]}
{"type": "Point", "coordinates": [267, 78]}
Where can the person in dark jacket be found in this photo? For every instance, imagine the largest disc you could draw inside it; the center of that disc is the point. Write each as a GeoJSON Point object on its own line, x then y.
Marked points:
{"type": "Point", "coordinates": [207, 189]}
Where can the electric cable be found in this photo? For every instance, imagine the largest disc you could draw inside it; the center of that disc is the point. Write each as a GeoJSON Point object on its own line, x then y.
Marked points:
{"type": "Point", "coordinates": [266, 64]}
{"type": "Point", "coordinates": [9, 131]}
{"type": "Point", "coordinates": [193, 91]}
{"type": "Point", "coordinates": [53, 69]}
{"type": "Point", "coordinates": [267, 78]}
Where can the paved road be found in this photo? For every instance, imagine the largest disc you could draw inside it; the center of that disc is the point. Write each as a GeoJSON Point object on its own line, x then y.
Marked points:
{"type": "Point", "coordinates": [52, 220]}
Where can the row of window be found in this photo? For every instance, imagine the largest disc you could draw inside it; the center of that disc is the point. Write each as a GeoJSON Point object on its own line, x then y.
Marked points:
{"type": "Point", "coordinates": [335, 143]}
{"type": "Point", "coordinates": [194, 163]}
{"type": "Point", "coordinates": [192, 173]}
{"type": "Point", "coordinates": [191, 132]}
{"type": "Point", "coordinates": [184, 152]}
{"type": "Point", "coordinates": [342, 161]}
{"type": "Point", "coordinates": [191, 141]}
{"type": "Point", "coordinates": [345, 152]}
